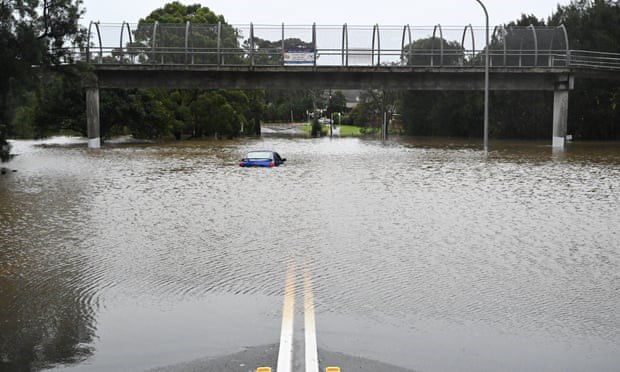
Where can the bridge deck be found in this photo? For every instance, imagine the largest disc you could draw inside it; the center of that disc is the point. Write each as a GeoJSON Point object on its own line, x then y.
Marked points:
{"type": "Point", "coordinates": [326, 77]}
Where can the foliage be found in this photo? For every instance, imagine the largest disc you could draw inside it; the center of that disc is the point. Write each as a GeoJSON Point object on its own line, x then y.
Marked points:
{"type": "Point", "coordinates": [171, 33]}
{"type": "Point", "coordinates": [424, 52]}
{"type": "Point", "coordinates": [32, 32]}
{"type": "Point", "coordinates": [593, 108]}
{"type": "Point", "coordinates": [337, 102]}
{"type": "Point", "coordinates": [280, 104]}
{"type": "Point", "coordinates": [194, 112]}
{"type": "Point", "coordinates": [316, 127]}
{"type": "Point", "coordinates": [372, 104]}
{"type": "Point", "coordinates": [60, 103]}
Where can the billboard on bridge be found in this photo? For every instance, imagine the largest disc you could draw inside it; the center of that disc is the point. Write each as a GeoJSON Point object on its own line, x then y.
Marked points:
{"type": "Point", "coordinates": [299, 56]}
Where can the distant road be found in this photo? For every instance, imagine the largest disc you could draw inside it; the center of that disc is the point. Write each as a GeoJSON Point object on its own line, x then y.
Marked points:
{"type": "Point", "coordinates": [283, 128]}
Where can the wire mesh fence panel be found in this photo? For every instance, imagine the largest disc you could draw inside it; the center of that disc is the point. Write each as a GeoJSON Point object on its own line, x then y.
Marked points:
{"type": "Point", "coordinates": [268, 48]}
{"type": "Point", "coordinates": [420, 49]}
{"type": "Point", "coordinates": [360, 51]}
{"type": "Point", "coordinates": [170, 43]}
{"type": "Point", "coordinates": [522, 46]}
{"type": "Point", "coordinates": [329, 45]}
{"type": "Point", "coordinates": [129, 49]}
{"type": "Point", "coordinates": [202, 44]}
{"type": "Point", "coordinates": [299, 48]}
{"type": "Point", "coordinates": [242, 53]}
{"type": "Point", "coordinates": [498, 48]}
{"type": "Point", "coordinates": [101, 47]}
{"type": "Point", "coordinates": [337, 45]}
{"type": "Point", "coordinates": [390, 38]}
{"type": "Point", "coordinates": [143, 44]}
{"type": "Point", "coordinates": [554, 43]}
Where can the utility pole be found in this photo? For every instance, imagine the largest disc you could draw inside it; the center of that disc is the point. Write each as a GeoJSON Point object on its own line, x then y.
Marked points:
{"type": "Point", "coordinates": [486, 82]}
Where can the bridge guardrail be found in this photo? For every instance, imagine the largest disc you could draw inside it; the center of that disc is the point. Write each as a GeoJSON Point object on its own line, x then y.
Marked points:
{"type": "Point", "coordinates": [343, 46]}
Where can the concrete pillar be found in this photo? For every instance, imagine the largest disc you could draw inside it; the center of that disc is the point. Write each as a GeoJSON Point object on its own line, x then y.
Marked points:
{"type": "Point", "coordinates": [384, 127]}
{"type": "Point", "coordinates": [560, 118]}
{"type": "Point", "coordinates": [92, 117]}
{"type": "Point", "coordinates": [560, 111]}
{"type": "Point", "coordinates": [90, 84]}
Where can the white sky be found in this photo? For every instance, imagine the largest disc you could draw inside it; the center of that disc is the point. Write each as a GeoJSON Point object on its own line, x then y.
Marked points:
{"type": "Point", "coordinates": [331, 12]}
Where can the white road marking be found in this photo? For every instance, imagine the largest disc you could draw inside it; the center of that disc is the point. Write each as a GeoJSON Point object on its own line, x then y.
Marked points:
{"type": "Point", "coordinates": [285, 354]}
{"type": "Point", "coordinates": [312, 358]}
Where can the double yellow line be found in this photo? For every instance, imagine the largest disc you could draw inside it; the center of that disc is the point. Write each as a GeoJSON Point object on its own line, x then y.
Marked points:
{"type": "Point", "coordinates": [286, 351]}
{"type": "Point", "coordinates": [285, 354]}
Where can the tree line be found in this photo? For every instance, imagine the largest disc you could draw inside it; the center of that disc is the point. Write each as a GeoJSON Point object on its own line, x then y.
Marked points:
{"type": "Point", "coordinates": [594, 112]}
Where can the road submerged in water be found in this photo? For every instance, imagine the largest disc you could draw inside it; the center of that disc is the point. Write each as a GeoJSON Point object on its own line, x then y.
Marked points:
{"type": "Point", "coordinates": [422, 254]}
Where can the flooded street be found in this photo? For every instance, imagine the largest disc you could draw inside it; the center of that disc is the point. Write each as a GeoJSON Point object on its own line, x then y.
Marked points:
{"type": "Point", "coordinates": [422, 253]}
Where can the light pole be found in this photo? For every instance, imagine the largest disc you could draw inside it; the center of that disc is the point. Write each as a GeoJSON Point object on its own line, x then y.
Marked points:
{"type": "Point", "coordinates": [486, 82]}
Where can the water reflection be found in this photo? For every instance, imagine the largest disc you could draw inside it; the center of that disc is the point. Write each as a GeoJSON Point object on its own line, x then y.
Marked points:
{"type": "Point", "coordinates": [420, 242]}
{"type": "Point", "coordinates": [46, 306]}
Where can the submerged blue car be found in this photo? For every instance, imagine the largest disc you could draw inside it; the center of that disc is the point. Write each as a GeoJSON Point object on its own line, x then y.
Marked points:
{"type": "Point", "coordinates": [262, 158]}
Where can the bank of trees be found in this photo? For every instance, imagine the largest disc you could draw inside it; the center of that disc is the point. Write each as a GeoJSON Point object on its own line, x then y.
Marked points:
{"type": "Point", "coordinates": [594, 111]}
{"type": "Point", "coordinates": [51, 100]}
{"type": "Point", "coordinates": [33, 32]}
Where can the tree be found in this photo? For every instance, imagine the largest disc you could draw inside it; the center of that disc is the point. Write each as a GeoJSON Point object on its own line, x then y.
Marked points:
{"type": "Point", "coordinates": [203, 35]}
{"type": "Point", "coordinates": [280, 104]}
{"type": "Point", "coordinates": [593, 112]}
{"type": "Point", "coordinates": [196, 112]}
{"type": "Point", "coordinates": [337, 103]}
{"type": "Point", "coordinates": [60, 103]}
{"type": "Point", "coordinates": [427, 51]}
{"type": "Point", "coordinates": [31, 33]}
{"type": "Point", "coordinates": [372, 104]}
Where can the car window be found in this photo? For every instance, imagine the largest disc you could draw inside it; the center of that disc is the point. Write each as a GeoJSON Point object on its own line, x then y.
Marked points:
{"type": "Point", "coordinates": [259, 155]}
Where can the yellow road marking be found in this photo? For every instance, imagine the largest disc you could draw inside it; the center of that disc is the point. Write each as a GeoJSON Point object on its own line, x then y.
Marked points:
{"type": "Point", "coordinates": [285, 354]}
{"type": "Point", "coordinates": [312, 358]}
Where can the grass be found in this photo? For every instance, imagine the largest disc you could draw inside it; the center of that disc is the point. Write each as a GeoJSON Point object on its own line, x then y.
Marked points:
{"type": "Point", "coordinates": [345, 130]}
{"type": "Point", "coordinates": [324, 129]}
{"type": "Point", "coordinates": [350, 131]}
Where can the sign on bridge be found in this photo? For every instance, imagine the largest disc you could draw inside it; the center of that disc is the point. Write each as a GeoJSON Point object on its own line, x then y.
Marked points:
{"type": "Point", "coordinates": [299, 56]}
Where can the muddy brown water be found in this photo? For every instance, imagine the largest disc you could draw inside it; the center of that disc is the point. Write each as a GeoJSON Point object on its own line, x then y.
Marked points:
{"type": "Point", "coordinates": [424, 254]}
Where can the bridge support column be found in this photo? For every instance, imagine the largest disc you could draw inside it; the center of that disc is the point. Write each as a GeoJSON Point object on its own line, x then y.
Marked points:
{"type": "Point", "coordinates": [560, 118]}
{"type": "Point", "coordinates": [92, 117]}
{"type": "Point", "coordinates": [560, 112]}
{"type": "Point", "coordinates": [90, 83]}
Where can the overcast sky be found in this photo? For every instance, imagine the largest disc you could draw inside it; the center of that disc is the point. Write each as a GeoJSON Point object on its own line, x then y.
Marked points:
{"type": "Point", "coordinates": [332, 12]}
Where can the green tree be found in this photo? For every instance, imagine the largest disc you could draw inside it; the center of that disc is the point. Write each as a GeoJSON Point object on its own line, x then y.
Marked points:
{"type": "Point", "coordinates": [425, 51]}
{"type": "Point", "coordinates": [372, 104]}
{"type": "Point", "coordinates": [32, 32]}
{"type": "Point", "coordinates": [337, 103]}
{"type": "Point", "coordinates": [202, 37]}
{"type": "Point", "coordinates": [60, 103]}
{"type": "Point", "coordinates": [195, 112]}
{"type": "Point", "coordinates": [594, 104]}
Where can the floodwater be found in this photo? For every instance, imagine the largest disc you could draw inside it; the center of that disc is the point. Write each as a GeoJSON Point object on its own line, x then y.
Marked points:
{"type": "Point", "coordinates": [422, 254]}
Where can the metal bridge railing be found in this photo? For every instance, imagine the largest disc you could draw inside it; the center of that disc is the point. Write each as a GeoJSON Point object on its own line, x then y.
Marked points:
{"type": "Point", "coordinates": [594, 60]}
{"type": "Point", "coordinates": [343, 46]}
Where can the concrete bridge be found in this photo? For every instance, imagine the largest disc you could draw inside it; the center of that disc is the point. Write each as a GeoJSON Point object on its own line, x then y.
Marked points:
{"type": "Point", "coordinates": [201, 56]}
